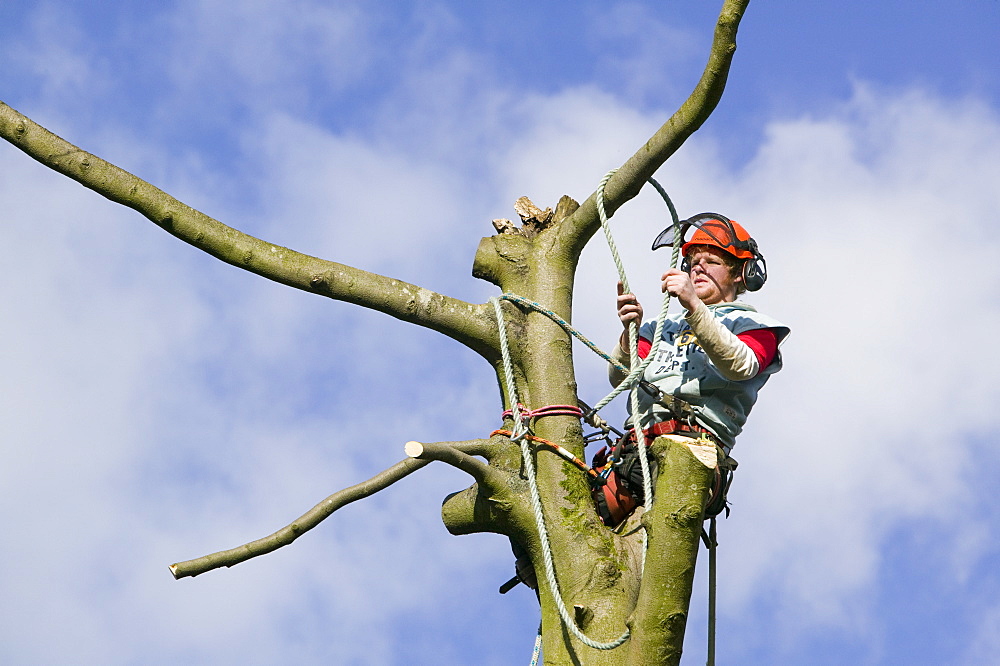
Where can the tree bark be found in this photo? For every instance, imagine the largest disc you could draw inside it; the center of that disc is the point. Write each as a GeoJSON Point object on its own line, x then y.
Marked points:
{"type": "Point", "coordinates": [673, 528]}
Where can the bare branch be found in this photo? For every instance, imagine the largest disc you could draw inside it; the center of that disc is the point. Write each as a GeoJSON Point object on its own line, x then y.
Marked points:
{"type": "Point", "coordinates": [464, 322]}
{"type": "Point", "coordinates": [632, 175]}
{"type": "Point", "coordinates": [303, 524]}
{"type": "Point", "coordinates": [451, 455]}
{"type": "Point", "coordinates": [323, 510]}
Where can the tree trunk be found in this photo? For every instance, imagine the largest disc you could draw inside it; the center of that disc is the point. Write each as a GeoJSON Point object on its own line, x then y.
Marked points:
{"type": "Point", "coordinates": [599, 572]}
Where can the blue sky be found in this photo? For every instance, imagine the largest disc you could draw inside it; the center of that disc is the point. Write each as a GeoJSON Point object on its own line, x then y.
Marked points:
{"type": "Point", "coordinates": [159, 405]}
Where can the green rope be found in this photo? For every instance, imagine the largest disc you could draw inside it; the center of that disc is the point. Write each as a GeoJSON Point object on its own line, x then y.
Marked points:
{"type": "Point", "coordinates": [520, 430]}
{"type": "Point", "coordinates": [638, 368]}
{"type": "Point", "coordinates": [566, 326]}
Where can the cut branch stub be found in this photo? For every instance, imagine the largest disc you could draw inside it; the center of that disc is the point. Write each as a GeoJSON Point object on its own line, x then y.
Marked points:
{"type": "Point", "coordinates": [533, 218]}
{"type": "Point", "coordinates": [502, 253]}
{"type": "Point", "coordinates": [505, 226]}
{"type": "Point", "coordinates": [567, 206]}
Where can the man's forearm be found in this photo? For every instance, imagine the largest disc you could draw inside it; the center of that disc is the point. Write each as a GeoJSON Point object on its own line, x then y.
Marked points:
{"type": "Point", "coordinates": [616, 376]}
{"type": "Point", "coordinates": [732, 357]}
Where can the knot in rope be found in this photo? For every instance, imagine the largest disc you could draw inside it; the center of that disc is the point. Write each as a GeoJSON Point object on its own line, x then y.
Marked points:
{"type": "Point", "coordinates": [548, 410]}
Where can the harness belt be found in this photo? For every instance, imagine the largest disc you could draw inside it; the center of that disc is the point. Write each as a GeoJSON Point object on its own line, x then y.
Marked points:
{"type": "Point", "coordinates": [671, 426]}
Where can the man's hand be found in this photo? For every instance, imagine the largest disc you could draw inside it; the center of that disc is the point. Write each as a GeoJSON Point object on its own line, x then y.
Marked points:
{"type": "Point", "coordinates": [678, 284]}
{"type": "Point", "coordinates": [629, 309]}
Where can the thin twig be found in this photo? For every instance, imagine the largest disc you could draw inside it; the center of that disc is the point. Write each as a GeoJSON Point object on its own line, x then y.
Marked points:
{"type": "Point", "coordinates": [305, 522]}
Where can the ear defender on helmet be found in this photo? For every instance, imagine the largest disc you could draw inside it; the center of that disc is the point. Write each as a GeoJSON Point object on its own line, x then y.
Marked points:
{"type": "Point", "coordinates": [754, 273]}
{"type": "Point", "coordinates": [721, 232]}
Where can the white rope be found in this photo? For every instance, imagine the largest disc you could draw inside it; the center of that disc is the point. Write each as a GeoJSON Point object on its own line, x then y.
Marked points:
{"type": "Point", "coordinates": [520, 430]}
{"type": "Point", "coordinates": [638, 368]}
{"type": "Point", "coordinates": [538, 647]}
{"type": "Point", "coordinates": [518, 435]}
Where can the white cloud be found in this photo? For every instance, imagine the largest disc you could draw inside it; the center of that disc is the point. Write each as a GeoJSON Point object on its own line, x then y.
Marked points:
{"type": "Point", "coordinates": [260, 49]}
{"type": "Point", "coordinates": [157, 405]}
{"type": "Point", "coordinates": [647, 57]}
{"type": "Point", "coordinates": [986, 638]}
{"type": "Point", "coordinates": [124, 450]}
{"type": "Point", "coordinates": [58, 54]}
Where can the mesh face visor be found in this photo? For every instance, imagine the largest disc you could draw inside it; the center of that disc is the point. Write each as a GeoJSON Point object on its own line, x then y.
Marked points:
{"type": "Point", "coordinates": [710, 229]}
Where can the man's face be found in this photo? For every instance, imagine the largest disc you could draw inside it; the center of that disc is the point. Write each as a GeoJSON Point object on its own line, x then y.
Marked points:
{"type": "Point", "coordinates": [712, 278]}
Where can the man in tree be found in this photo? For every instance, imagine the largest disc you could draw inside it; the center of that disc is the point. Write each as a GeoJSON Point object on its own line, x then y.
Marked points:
{"type": "Point", "coordinates": [712, 360]}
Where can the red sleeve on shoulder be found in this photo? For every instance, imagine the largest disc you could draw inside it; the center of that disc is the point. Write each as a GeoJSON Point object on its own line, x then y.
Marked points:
{"type": "Point", "coordinates": [644, 347]}
{"type": "Point", "coordinates": [764, 344]}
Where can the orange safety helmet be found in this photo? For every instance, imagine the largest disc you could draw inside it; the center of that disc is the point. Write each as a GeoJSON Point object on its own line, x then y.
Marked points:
{"type": "Point", "coordinates": [729, 237]}
{"type": "Point", "coordinates": [721, 232]}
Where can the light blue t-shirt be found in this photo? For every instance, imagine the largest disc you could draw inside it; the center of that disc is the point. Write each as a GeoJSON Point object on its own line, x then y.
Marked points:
{"type": "Point", "coordinates": [681, 368]}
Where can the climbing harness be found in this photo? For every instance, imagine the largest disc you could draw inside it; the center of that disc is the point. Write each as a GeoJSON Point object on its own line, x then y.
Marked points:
{"type": "Point", "coordinates": [623, 489]}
